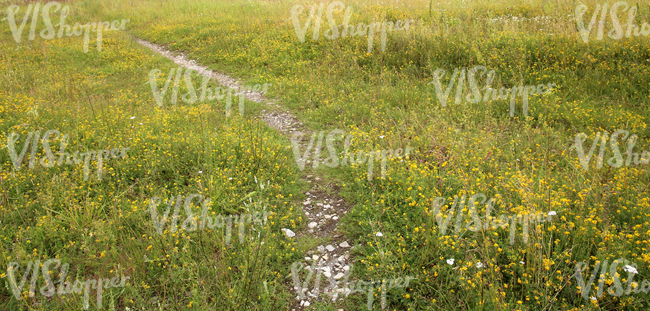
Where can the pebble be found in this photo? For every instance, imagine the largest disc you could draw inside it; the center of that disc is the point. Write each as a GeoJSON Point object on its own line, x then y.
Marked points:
{"type": "Point", "coordinates": [330, 248]}
{"type": "Point", "coordinates": [344, 244]}
{"type": "Point", "coordinates": [313, 224]}
{"type": "Point", "coordinates": [288, 232]}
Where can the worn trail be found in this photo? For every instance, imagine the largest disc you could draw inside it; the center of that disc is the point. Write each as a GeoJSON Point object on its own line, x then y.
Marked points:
{"type": "Point", "coordinates": [323, 207]}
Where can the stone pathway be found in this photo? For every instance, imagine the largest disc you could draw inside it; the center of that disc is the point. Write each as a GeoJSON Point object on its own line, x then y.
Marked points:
{"type": "Point", "coordinates": [323, 207]}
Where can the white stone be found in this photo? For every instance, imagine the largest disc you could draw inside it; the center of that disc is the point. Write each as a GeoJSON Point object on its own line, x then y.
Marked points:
{"type": "Point", "coordinates": [313, 224]}
{"type": "Point", "coordinates": [315, 257]}
{"type": "Point", "coordinates": [330, 248]}
{"type": "Point", "coordinates": [344, 244]}
{"type": "Point", "coordinates": [346, 268]}
{"type": "Point", "coordinates": [327, 274]}
{"type": "Point", "coordinates": [338, 276]}
{"type": "Point", "coordinates": [288, 232]}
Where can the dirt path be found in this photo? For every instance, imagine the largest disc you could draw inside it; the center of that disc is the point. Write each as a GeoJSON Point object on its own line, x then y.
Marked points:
{"type": "Point", "coordinates": [323, 207]}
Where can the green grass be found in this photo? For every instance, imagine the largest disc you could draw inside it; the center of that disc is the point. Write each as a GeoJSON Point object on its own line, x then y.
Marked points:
{"type": "Point", "coordinates": [525, 162]}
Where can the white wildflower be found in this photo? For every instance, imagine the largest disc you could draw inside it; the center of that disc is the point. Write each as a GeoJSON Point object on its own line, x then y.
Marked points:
{"type": "Point", "coordinates": [629, 268]}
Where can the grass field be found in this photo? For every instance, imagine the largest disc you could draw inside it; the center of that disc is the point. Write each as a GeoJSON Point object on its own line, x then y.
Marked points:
{"type": "Point", "coordinates": [102, 227]}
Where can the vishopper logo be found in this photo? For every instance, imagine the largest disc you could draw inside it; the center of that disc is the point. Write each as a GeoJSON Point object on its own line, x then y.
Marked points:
{"type": "Point", "coordinates": [191, 224]}
{"type": "Point", "coordinates": [49, 32]}
{"type": "Point", "coordinates": [476, 97]}
{"type": "Point", "coordinates": [348, 30]}
{"type": "Point", "coordinates": [49, 289]}
{"type": "Point", "coordinates": [333, 160]}
{"type": "Point", "coordinates": [348, 287]}
{"type": "Point", "coordinates": [617, 32]}
{"type": "Point", "coordinates": [476, 224]}
{"type": "Point", "coordinates": [219, 93]}
{"type": "Point", "coordinates": [48, 160]}
{"type": "Point", "coordinates": [617, 159]}
{"type": "Point", "coordinates": [616, 289]}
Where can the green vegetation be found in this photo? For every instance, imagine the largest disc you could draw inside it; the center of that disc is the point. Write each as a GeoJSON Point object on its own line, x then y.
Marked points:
{"type": "Point", "coordinates": [102, 228]}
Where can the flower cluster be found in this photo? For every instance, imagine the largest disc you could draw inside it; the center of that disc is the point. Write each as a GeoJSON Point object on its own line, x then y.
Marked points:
{"type": "Point", "coordinates": [48, 160]}
{"type": "Point", "coordinates": [477, 225]}
{"type": "Point", "coordinates": [475, 97]}
{"type": "Point", "coordinates": [616, 289]}
{"type": "Point", "coordinates": [617, 159]}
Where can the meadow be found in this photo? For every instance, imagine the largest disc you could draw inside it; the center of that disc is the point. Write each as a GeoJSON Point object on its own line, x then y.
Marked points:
{"type": "Point", "coordinates": [384, 99]}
